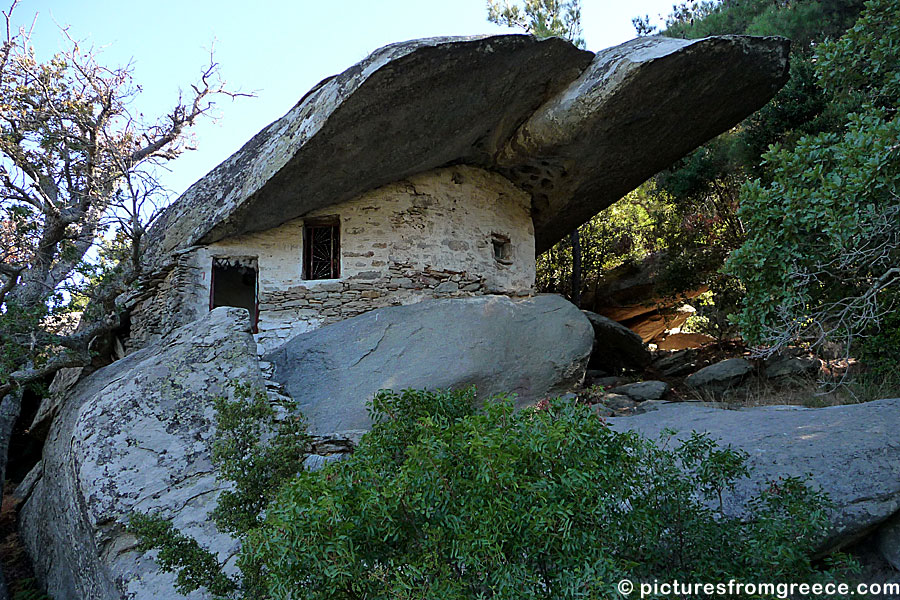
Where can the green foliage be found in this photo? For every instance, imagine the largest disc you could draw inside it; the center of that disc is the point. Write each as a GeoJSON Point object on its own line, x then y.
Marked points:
{"type": "Point", "coordinates": [629, 230]}
{"type": "Point", "coordinates": [805, 22]}
{"type": "Point", "coordinates": [700, 225]}
{"type": "Point", "coordinates": [715, 307]}
{"type": "Point", "coordinates": [195, 566]}
{"type": "Point", "coordinates": [16, 323]}
{"type": "Point", "coordinates": [865, 61]}
{"type": "Point", "coordinates": [827, 198]}
{"type": "Point", "coordinates": [256, 452]}
{"type": "Point", "coordinates": [545, 502]}
{"type": "Point", "coordinates": [821, 253]}
{"type": "Point", "coordinates": [542, 18]}
{"type": "Point", "coordinates": [705, 187]}
{"type": "Point", "coordinates": [880, 349]}
{"type": "Point", "coordinates": [799, 109]}
{"type": "Point", "coordinates": [446, 499]}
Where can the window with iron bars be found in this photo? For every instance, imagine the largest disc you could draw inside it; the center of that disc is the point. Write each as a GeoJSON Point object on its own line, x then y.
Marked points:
{"type": "Point", "coordinates": [322, 248]}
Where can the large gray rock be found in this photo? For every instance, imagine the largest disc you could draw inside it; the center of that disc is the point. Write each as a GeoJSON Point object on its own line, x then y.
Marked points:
{"type": "Point", "coordinates": [851, 452]}
{"type": "Point", "coordinates": [533, 347]}
{"type": "Point", "coordinates": [786, 367]}
{"type": "Point", "coordinates": [575, 129]}
{"type": "Point", "coordinates": [408, 107]}
{"type": "Point", "coordinates": [889, 541]}
{"type": "Point", "coordinates": [679, 362]}
{"type": "Point", "coordinates": [134, 436]}
{"type": "Point", "coordinates": [641, 104]}
{"type": "Point", "coordinates": [615, 346]}
{"type": "Point", "coordinates": [643, 390]}
{"type": "Point", "coordinates": [721, 375]}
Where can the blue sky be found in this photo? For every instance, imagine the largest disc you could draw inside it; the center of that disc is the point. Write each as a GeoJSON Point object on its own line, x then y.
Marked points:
{"type": "Point", "coordinates": [276, 49]}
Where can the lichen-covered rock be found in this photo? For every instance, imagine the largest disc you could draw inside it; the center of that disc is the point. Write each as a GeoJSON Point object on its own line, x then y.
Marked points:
{"type": "Point", "coordinates": [134, 436]}
{"type": "Point", "coordinates": [851, 452]}
{"type": "Point", "coordinates": [533, 347]}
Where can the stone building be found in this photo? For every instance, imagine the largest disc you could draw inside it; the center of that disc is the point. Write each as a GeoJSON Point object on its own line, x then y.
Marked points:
{"type": "Point", "coordinates": [433, 168]}
{"type": "Point", "coordinates": [450, 232]}
{"type": "Point", "coordinates": [436, 168]}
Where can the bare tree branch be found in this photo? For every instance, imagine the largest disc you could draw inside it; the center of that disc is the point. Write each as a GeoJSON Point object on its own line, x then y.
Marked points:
{"type": "Point", "coordinates": [78, 188]}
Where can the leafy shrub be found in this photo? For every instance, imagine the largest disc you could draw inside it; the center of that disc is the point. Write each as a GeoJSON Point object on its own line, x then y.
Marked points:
{"type": "Point", "coordinates": [880, 350]}
{"type": "Point", "coordinates": [441, 500]}
{"type": "Point", "coordinates": [821, 253]}
{"type": "Point", "coordinates": [447, 502]}
{"type": "Point", "coordinates": [829, 200]}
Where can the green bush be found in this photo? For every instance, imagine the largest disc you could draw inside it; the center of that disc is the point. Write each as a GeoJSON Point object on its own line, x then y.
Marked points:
{"type": "Point", "coordinates": [816, 231]}
{"type": "Point", "coordinates": [820, 259]}
{"type": "Point", "coordinates": [880, 349]}
{"type": "Point", "coordinates": [441, 500]}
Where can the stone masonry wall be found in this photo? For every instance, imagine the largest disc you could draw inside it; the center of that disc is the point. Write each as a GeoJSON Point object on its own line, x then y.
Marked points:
{"type": "Point", "coordinates": [167, 301]}
{"type": "Point", "coordinates": [428, 236]}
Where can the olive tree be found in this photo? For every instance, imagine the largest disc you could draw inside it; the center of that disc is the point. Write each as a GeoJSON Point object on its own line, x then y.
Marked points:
{"type": "Point", "coordinates": [78, 188]}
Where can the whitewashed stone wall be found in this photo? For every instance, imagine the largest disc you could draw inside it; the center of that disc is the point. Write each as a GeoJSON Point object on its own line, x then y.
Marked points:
{"type": "Point", "coordinates": [428, 236]}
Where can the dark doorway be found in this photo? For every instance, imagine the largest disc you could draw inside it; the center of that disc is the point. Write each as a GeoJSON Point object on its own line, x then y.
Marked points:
{"type": "Point", "coordinates": [234, 283]}
{"type": "Point", "coordinates": [322, 248]}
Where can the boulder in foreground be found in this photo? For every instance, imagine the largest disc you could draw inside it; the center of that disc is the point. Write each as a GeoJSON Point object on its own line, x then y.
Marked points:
{"type": "Point", "coordinates": [850, 452]}
{"type": "Point", "coordinates": [533, 347]}
{"type": "Point", "coordinates": [134, 436]}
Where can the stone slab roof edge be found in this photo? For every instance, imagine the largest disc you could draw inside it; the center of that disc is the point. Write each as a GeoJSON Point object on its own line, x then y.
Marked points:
{"type": "Point", "coordinates": [634, 111]}
{"type": "Point", "coordinates": [560, 122]}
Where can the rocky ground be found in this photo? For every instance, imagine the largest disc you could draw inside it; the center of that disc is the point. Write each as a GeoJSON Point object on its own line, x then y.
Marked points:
{"type": "Point", "coordinates": [726, 372]}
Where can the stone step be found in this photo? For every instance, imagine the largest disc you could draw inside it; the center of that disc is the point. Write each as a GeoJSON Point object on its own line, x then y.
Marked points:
{"type": "Point", "coordinates": [267, 369]}
{"type": "Point", "coordinates": [276, 387]}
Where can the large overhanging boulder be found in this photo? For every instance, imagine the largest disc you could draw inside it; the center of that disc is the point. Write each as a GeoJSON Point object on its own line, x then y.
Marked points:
{"type": "Point", "coordinates": [576, 129]}
{"type": "Point", "coordinates": [635, 110]}
{"type": "Point", "coordinates": [407, 108]}
{"type": "Point", "coordinates": [134, 436]}
{"type": "Point", "coordinates": [534, 347]}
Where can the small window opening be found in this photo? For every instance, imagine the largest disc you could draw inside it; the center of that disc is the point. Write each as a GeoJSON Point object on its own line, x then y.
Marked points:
{"type": "Point", "coordinates": [234, 283]}
{"type": "Point", "coordinates": [502, 248]}
{"type": "Point", "coordinates": [322, 248]}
